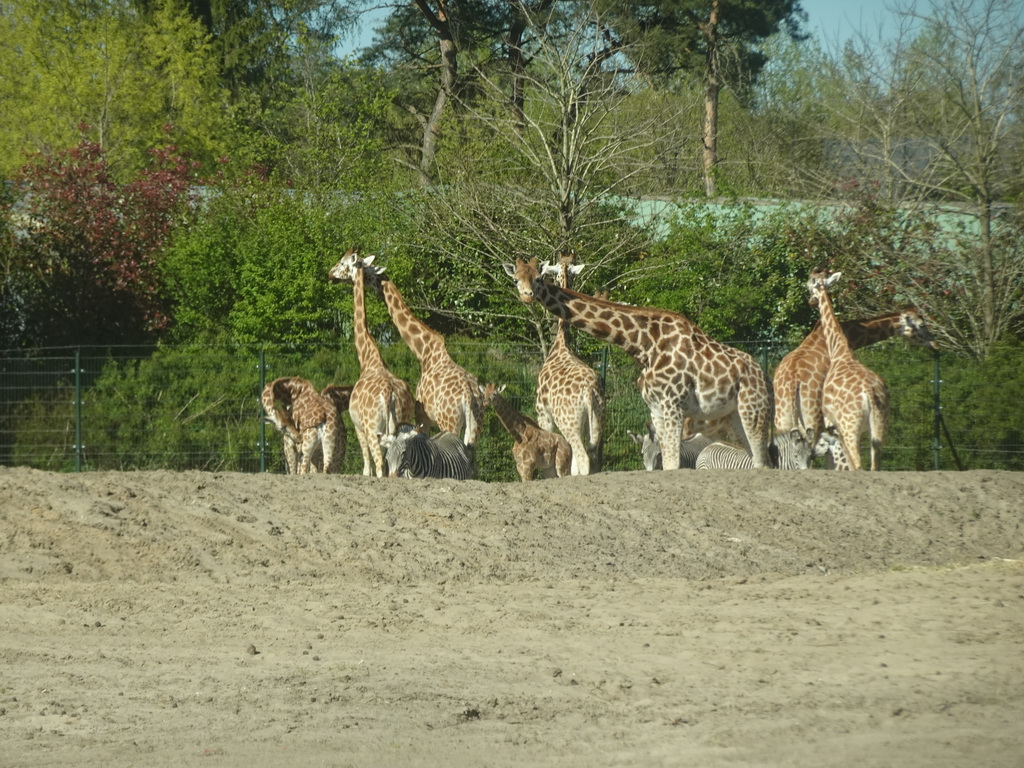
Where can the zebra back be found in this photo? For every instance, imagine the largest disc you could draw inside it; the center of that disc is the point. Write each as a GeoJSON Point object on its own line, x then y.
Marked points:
{"type": "Point", "coordinates": [789, 450]}
{"type": "Point", "coordinates": [724, 456]}
{"type": "Point", "coordinates": [412, 454]}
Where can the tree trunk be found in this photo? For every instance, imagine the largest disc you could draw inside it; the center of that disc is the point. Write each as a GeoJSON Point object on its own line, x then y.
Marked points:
{"type": "Point", "coordinates": [517, 65]}
{"type": "Point", "coordinates": [713, 85]}
{"type": "Point", "coordinates": [440, 22]}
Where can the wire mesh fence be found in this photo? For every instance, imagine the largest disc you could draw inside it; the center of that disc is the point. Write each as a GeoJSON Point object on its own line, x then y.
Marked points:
{"type": "Point", "coordinates": [197, 407]}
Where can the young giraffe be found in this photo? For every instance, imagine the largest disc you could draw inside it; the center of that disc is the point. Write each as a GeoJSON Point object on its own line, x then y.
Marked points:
{"type": "Point", "coordinates": [532, 446]}
{"type": "Point", "coordinates": [310, 424]}
{"type": "Point", "coordinates": [683, 370]}
{"type": "Point", "coordinates": [334, 432]}
{"type": "Point", "coordinates": [277, 398]}
{"type": "Point", "coordinates": [376, 386]}
{"type": "Point", "coordinates": [800, 375]}
{"type": "Point", "coordinates": [449, 394]}
{"type": "Point", "coordinates": [853, 396]}
{"type": "Point", "coordinates": [569, 392]}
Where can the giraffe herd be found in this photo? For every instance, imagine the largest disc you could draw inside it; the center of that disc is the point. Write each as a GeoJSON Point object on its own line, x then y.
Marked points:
{"type": "Point", "coordinates": [822, 397]}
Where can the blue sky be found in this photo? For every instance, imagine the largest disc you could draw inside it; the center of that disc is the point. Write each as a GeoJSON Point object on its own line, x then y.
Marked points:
{"type": "Point", "coordinates": [828, 20]}
{"type": "Point", "coordinates": [832, 20]}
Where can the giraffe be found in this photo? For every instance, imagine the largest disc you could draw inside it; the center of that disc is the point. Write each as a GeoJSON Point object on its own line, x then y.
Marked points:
{"type": "Point", "coordinates": [376, 386]}
{"type": "Point", "coordinates": [278, 398]}
{"type": "Point", "coordinates": [309, 421]}
{"type": "Point", "coordinates": [532, 446]}
{"type": "Point", "coordinates": [684, 372]}
{"type": "Point", "coordinates": [450, 395]}
{"type": "Point", "coordinates": [853, 397]}
{"type": "Point", "coordinates": [800, 375]}
{"type": "Point", "coordinates": [334, 433]}
{"type": "Point", "coordinates": [569, 392]}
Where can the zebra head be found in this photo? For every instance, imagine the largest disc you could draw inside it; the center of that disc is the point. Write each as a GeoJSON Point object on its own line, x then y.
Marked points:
{"type": "Point", "coordinates": [395, 449]}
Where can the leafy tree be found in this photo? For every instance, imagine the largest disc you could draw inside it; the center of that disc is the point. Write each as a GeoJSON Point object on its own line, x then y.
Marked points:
{"type": "Point", "coordinates": [716, 40]}
{"type": "Point", "coordinates": [102, 64]}
{"type": "Point", "coordinates": [539, 182]}
{"type": "Point", "coordinates": [738, 272]}
{"type": "Point", "coordinates": [330, 130]}
{"type": "Point", "coordinates": [420, 43]}
{"type": "Point", "coordinates": [255, 264]}
{"type": "Point", "coordinates": [930, 122]}
{"type": "Point", "coordinates": [87, 257]}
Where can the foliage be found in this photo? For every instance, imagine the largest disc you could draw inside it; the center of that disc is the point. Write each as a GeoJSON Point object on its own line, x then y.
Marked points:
{"type": "Point", "coordinates": [103, 64]}
{"type": "Point", "coordinates": [86, 258]}
{"type": "Point", "coordinates": [329, 131]}
{"type": "Point", "coordinates": [196, 406]}
{"type": "Point", "coordinates": [738, 272]}
{"type": "Point", "coordinates": [255, 263]}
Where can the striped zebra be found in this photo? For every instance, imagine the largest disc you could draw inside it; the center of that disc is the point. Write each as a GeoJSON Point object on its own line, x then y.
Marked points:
{"type": "Point", "coordinates": [650, 450]}
{"type": "Point", "coordinates": [789, 450]}
{"type": "Point", "coordinates": [411, 453]}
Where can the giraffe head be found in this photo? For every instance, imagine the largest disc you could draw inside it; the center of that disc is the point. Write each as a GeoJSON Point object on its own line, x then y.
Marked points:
{"type": "Point", "coordinates": [524, 273]}
{"type": "Point", "coordinates": [488, 391]}
{"type": "Point", "coordinates": [345, 270]}
{"type": "Point", "coordinates": [563, 272]}
{"type": "Point", "coordinates": [819, 282]}
{"type": "Point", "coordinates": [913, 329]}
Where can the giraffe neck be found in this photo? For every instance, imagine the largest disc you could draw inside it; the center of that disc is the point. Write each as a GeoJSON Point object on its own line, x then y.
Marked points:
{"type": "Point", "coordinates": [366, 349]}
{"type": "Point", "coordinates": [835, 339]}
{"type": "Point", "coordinates": [561, 340]}
{"type": "Point", "coordinates": [514, 422]}
{"type": "Point", "coordinates": [423, 340]}
{"type": "Point", "coordinates": [615, 323]}
{"type": "Point", "coordinates": [862, 333]}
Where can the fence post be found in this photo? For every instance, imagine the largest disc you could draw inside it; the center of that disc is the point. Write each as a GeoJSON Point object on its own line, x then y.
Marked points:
{"type": "Point", "coordinates": [263, 421]}
{"type": "Point", "coordinates": [78, 409]}
{"type": "Point", "coordinates": [937, 407]}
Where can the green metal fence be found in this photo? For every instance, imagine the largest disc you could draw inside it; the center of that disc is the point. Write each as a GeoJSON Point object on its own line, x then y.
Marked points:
{"type": "Point", "coordinates": [197, 407]}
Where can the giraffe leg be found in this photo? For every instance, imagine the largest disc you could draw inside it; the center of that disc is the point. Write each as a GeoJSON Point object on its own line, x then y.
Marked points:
{"type": "Point", "coordinates": [525, 462]}
{"type": "Point", "coordinates": [876, 425]}
{"type": "Point", "coordinates": [751, 421]}
{"type": "Point", "coordinates": [310, 442]}
{"type": "Point", "coordinates": [363, 439]}
{"type": "Point", "coordinates": [594, 427]}
{"type": "Point", "coordinates": [291, 457]}
{"type": "Point", "coordinates": [849, 436]}
{"type": "Point", "coordinates": [377, 456]}
{"type": "Point", "coordinates": [580, 464]}
{"type": "Point", "coordinates": [545, 420]}
{"type": "Point", "coordinates": [669, 428]}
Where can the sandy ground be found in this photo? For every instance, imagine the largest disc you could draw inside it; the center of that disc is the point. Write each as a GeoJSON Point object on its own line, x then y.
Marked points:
{"type": "Point", "coordinates": [629, 619]}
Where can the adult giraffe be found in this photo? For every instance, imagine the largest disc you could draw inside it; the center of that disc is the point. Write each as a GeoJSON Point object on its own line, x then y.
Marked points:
{"type": "Point", "coordinates": [800, 376]}
{"type": "Point", "coordinates": [853, 396]}
{"type": "Point", "coordinates": [684, 372]}
{"type": "Point", "coordinates": [569, 392]}
{"type": "Point", "coordinates": [377, 387]}
{"type": "Point", "coordinates": [449, 394]}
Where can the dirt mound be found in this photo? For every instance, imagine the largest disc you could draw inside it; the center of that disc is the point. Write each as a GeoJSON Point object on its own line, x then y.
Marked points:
{"type": "Point", "coordinates": [740, 618]}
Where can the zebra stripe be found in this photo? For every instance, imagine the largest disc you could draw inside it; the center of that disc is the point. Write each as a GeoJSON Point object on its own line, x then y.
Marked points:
{"type": "Point", "coordinates": [786, 451]}
{"type": "Point", "coordinates": [412, 454]}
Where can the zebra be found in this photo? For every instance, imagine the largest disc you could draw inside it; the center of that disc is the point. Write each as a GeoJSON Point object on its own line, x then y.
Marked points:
{"type": "Point", "coordinates": [412, 454]}
{"type": "Point", "coordinates": [786, 451]}
{"type": "Point", "coordinates": [650, 450]}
